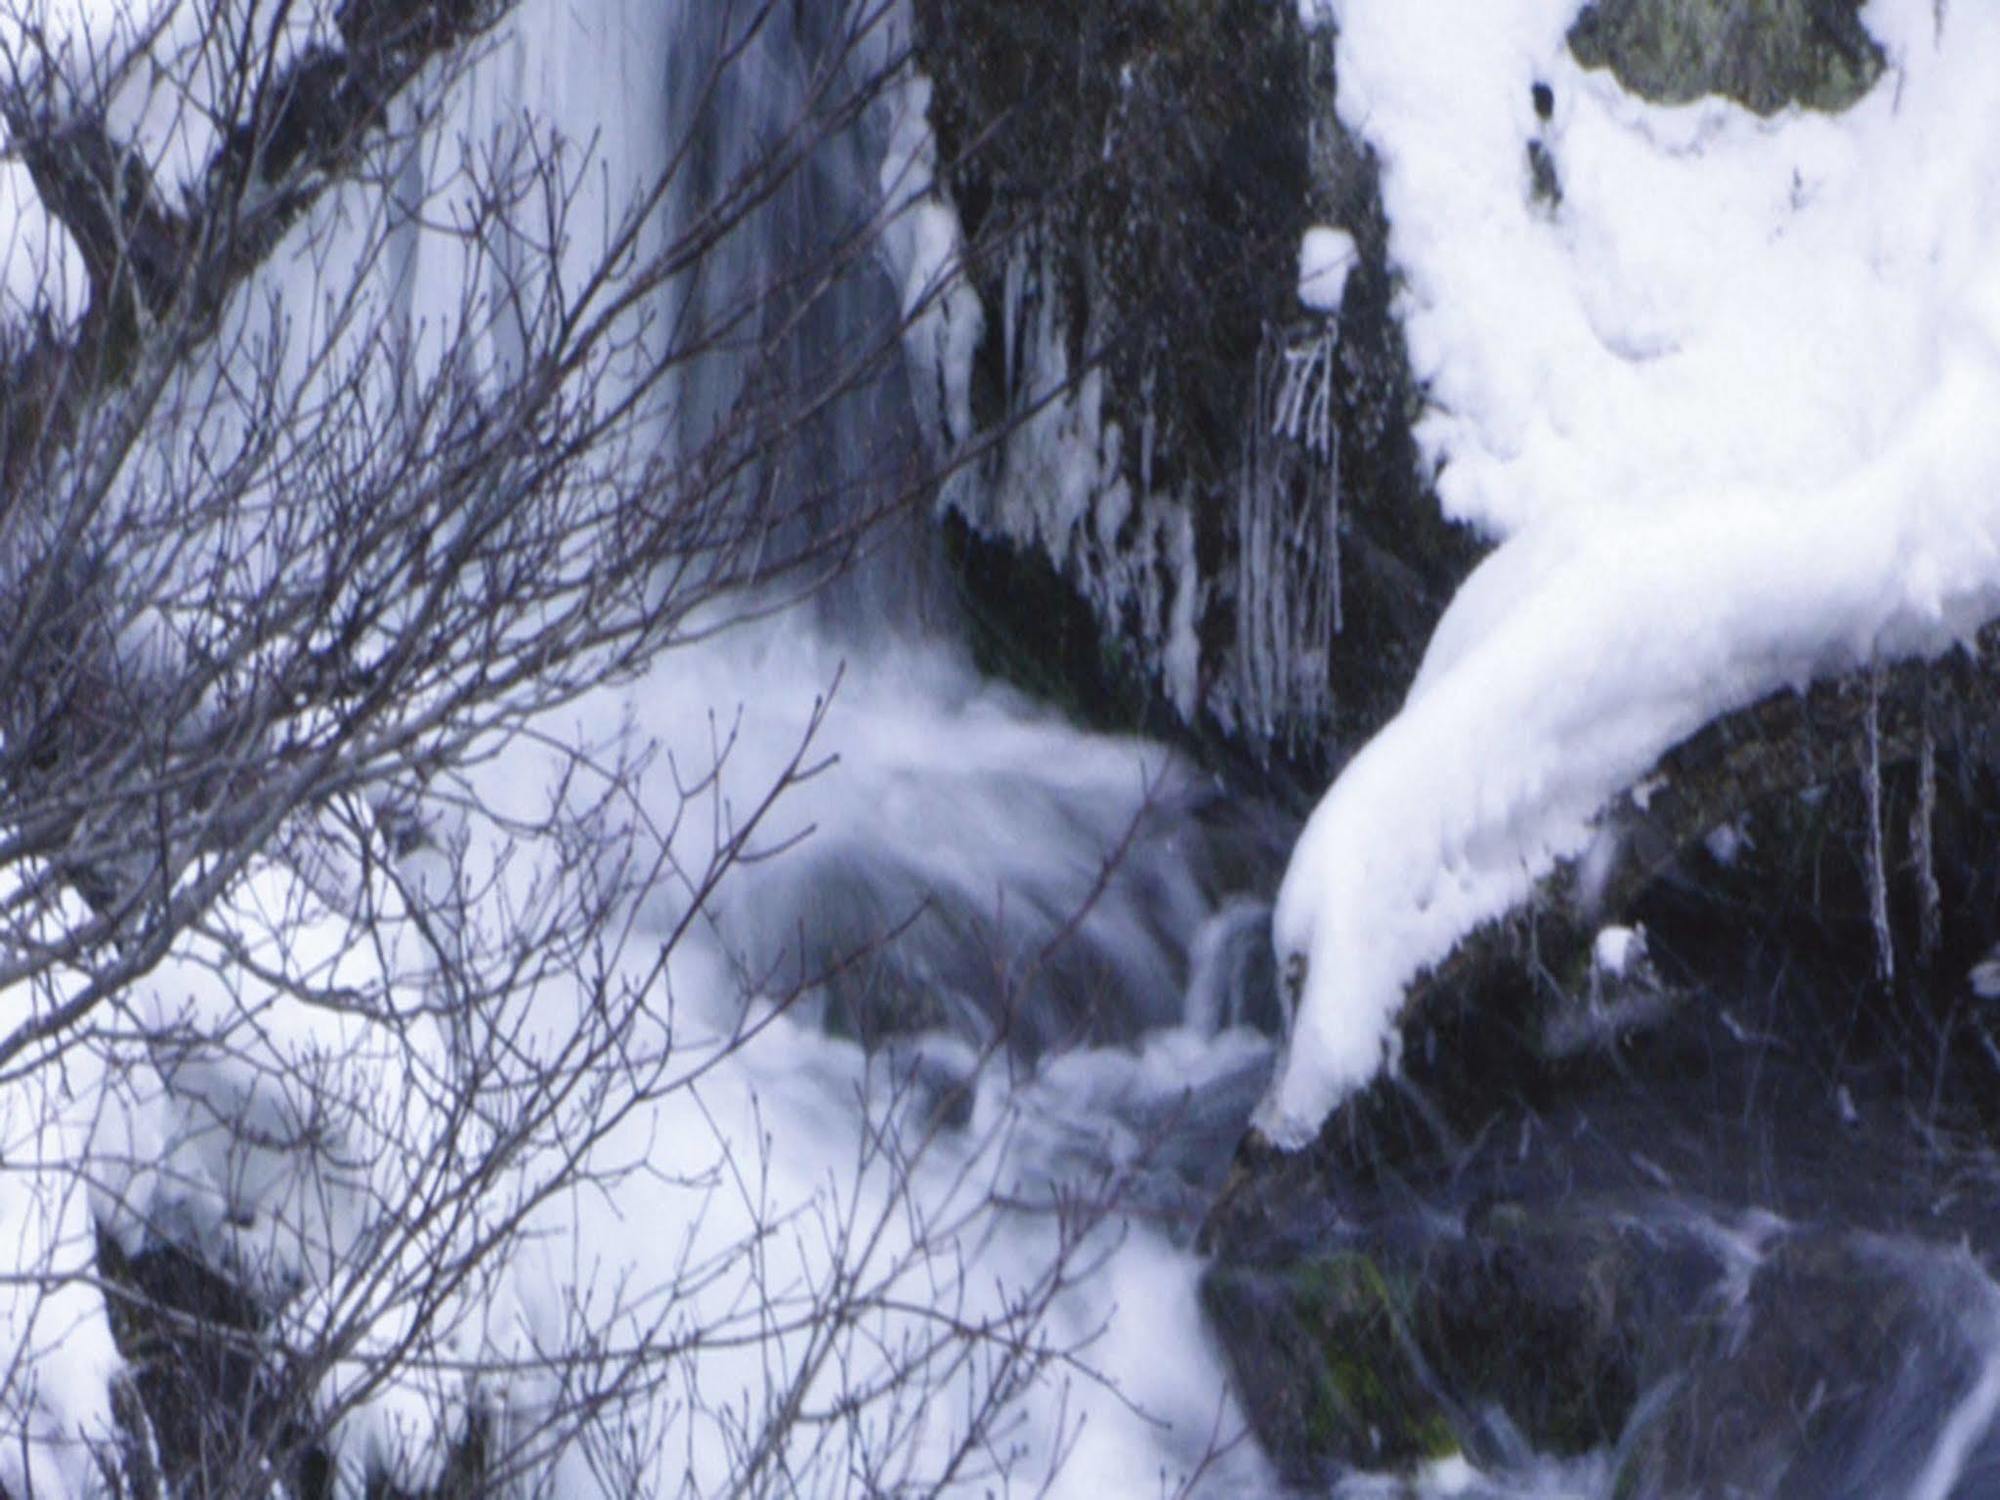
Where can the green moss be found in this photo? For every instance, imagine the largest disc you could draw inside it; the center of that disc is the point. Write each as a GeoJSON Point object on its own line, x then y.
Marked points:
{"type": "Point", "coordinates": [1365, 1400]}
{"type": "Point", "coordinates": [1342, 1281]}
{"type": "Point", "coordinates": [1435, 1438]}
{"type": "Point", "coordinates": [1030, 628]}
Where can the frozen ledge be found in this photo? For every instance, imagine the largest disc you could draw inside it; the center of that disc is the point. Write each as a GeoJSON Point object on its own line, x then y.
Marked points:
{"type": "Point", "coordinates": [1785, 743]}
{"type": "Point", "coordinates": [1554, 742]}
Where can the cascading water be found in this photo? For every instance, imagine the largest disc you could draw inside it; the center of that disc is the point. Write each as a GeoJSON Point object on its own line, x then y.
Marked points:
{"type": "Point", "coordinates": [928, 1089]}
{"type": "Point", "coordinates": [895, 1169]}
{"type": "Point", "coordinates": [975, 827]}
{"type": "Point", "coordinates": [916, 1208]}
{"type": "Point", "coordinates": [1010, 885]}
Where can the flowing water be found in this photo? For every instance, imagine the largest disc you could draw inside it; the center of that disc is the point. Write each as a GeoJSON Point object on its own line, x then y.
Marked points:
{"type": "Point", "coordinates": [1009, 912]}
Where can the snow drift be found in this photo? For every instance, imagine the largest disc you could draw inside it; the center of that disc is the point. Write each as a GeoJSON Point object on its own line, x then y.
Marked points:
{"type": "Point", "coordinates": [1729, 402]}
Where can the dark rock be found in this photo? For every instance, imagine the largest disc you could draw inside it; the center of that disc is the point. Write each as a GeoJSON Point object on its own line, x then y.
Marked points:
{"type": "Point", "coordinates": [1322, 1358]}
{"type": "Point", "coordinates": [1544, 185]}
{"type": "Point", "coordinates": [212, 1404]}
{"type": "Point", "coordinates": [1543, 1316]}
{"type": "Point", "coordinates": [1834, 1376]}
{"type": "Point", "coordinates": [1594, 1245]}
{"type": "Point", "coordinates": [220, 1408]}
{"type": "Point", "coordinates": [1403, 1339]}
{"type": "Point", "coordinates": [1135, 180]}
{"type": "Point", "coordinates": [1764, 54]}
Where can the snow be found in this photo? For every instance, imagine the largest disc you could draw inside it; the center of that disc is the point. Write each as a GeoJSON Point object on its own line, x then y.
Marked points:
{"type": "Point", "coordinates": [60, 1112]}
{"type": "Point", "coordinates": [1984, 976]}
{"type": "Point", "coordinates": [1616, 949]}
{"type": "Point", "coordinates": [168, 63]}
{"type": "Point", "coordinates": [39, 265]}
{"type": "Point", "coordinates": [1728, 406]}
{"type": "Point", "coordinates": [1326, 255]}
{"type": "Point", "coordinates": [56, 1354]}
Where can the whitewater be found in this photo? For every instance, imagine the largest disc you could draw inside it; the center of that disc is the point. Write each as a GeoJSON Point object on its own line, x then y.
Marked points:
{"type": "Point", "coordinates": [1726, 408]}
{"type": "Point", "coordinates": [810, 1263]}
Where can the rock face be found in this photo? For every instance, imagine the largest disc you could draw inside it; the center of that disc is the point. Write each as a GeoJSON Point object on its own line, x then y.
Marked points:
{"type": "Point", "coordinates": [1764, 54]}
{"type": "Point", "coordinates": [1835, 1371]}
{"type": "Point", "coordinates": [1204, 501]}
{"type": "Point", "coordinates": [1400, 1344]}
{"type": "Point", "coordinates": [1699, 1354]}
{"type": "Point", "coordinates": [1729, 1237]}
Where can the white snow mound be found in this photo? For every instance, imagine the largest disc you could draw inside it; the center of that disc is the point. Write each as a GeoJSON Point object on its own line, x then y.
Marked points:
{"type": "Point", "coordinates": [1326, 255]}
{"type": "Point", "coordinates": [1733, 406]}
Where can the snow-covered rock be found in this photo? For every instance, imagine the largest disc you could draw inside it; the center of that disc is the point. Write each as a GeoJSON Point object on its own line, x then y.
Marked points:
{"type": "Point", "coordinates": [1730, 404]}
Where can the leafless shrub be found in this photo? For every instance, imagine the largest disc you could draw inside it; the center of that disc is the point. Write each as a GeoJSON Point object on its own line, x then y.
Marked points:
{"type": "Point", "coordinates": [319, 1027]}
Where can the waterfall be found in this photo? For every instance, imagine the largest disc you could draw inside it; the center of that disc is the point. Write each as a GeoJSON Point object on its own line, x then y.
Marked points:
{"type": "Point", "coordinates": [904, 1191]}
{"type": "Point", "coordinates": [1014, 886]}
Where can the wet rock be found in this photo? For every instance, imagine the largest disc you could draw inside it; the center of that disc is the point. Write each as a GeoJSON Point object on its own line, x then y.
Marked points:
{"type": "Point", "coordinates": [1322, 1357]}
{"type": "Point", "coordinates": [1721, 1243]}
{"type": "Point", "coordinates": [1139, 540]}
{"type": "Point", "coordinates": [1764, 54]}
{"type": "Point", "coordinates": [1421, 1336]}
{"type": "Point", "coordinates": [1543, 1316]}
{"type": "Point", "coordinates": [1837, 1373]}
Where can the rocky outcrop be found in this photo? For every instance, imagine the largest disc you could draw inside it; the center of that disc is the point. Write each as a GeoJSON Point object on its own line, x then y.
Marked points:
{"type": "Point", "coordinates": [1701, 1228]}
{"type": "Point", "coordinates": [1396, 1344]}
{"type": "Point", "coordinates": [1709, 1228]}
{"type": "Point", "coordinates": [1159, 520]}
{"type": "Point", "coordinates": [1838, 1368]}
{"type": "Point", "coordinates": [1764, 54]}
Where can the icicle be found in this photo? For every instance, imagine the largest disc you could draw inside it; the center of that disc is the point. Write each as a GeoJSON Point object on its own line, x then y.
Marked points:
{"type": "Point", "coordinates": [1304, 408]}
{"type": "Point", "coordinates": [1253, 571]}
{"type": "Point", "coordinates": [1148, 430]}
{"type": "Point", "coordinates": [1012, 295]}
{"type": "Point", "coordinates": [1288, 534]}
{"type": "Point", "coordinates": [1330, 510]}
{"type": "Point", "coordinates": [1923, 848]}
{"type": "Point", "coordinates": [1878, 881]}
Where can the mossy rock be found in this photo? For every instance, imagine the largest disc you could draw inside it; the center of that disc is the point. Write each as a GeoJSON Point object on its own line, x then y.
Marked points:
{"type": "Point", "coordinates": [1387, 1350]}
{"type": "Point", "coordinates": [1322, 1355]}
{"type": "Point", "coordinates": [1537, 1318]}
{"type": "Point", "coordinates": [1765, 54]}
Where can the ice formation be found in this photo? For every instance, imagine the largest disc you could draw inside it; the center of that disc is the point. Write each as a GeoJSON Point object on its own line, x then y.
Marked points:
{"type": "Point", "coordinates": [1729, 405]}
{"type": "Point", "coordinates": [1288, 599]}
{"type": "Point", "coordinates": [1617, 950]}
{"type": "Point", "coordinates": [925, 250]}
{"type": "Point", "coordinates": [1059, 483]}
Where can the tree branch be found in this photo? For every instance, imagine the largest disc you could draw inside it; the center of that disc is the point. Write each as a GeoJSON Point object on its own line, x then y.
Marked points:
{"type": "Point", "coordinates": [157, 270]}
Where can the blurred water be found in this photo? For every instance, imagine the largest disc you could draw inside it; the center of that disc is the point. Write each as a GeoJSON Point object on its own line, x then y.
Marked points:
{"type": "Point", "coordinates": [993, 916]}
